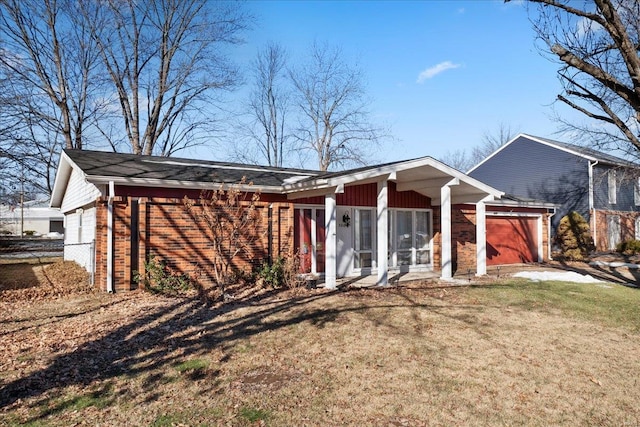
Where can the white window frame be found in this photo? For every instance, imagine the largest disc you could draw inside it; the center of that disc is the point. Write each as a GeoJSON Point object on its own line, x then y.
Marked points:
{"type": "Point", "coordinates": [393, 241]}
{"type": "Point", "coordinates": [612, 186]}
{"type": "Point", "coordinates": [80, 213]}
{"type": "Point", "coordinates": [357, 251]}
{"type": "Point", "coordinates": [636, 191]}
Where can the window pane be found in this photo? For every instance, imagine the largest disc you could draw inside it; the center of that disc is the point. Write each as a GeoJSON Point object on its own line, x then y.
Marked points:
{"type": "Point", "coordinates": [365, 230]}
{"type": "Point", "coordinates": [422, 230]}
{"type": "Point", "coordinates": [423, 257]}
{"type": "Point", "coordinates": [404, 257]}
{"type": "Point", "coordinates": [404, 230]}
{"type": "Point", "coordinates": [611, 177]}
{"type": "Point", "coordinates": [363, 260]}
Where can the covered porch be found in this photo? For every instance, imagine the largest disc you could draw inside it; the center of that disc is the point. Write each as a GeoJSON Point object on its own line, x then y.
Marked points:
{"type": "Point", "coordinates": [443, 185]}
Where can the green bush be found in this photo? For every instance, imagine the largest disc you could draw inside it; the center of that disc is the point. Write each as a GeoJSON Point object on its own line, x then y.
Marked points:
{"type": "Point", "coordinates": [281, 272]}
{"type": "Point", "coordinates": [574, 237]}
{"type": "Point", "coordinates": [629, 247]}
{"type": "Point", "coordinates": [160, 278]}
{"type": "Point", "coordinates": [29, 232]}
{"type": "Point", "coordinates": [272, 274]}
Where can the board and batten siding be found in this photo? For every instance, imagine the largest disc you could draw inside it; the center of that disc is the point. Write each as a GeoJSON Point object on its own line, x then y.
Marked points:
{"type": "Point", "coordinates": [532, 170]}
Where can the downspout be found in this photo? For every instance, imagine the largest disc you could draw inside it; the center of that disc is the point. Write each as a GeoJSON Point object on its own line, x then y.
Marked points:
{"type": "Point", "coordinates": [270, 234]}
{"type": "Point", "coordinates": [110, 237]}
{"type": "Point", "coordinates": [549, 234]}
{"type": "Point", "coordinates": [592, 211]}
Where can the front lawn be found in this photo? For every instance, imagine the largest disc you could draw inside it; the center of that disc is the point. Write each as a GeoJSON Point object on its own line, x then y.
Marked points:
{"type": "Point", "coordinates": [509, 353]}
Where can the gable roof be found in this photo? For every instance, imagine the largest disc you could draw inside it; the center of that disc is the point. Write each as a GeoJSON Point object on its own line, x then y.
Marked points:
{"type": "Point", "coordinates": [577, 150]}
{"type": "Point", "coordinates": [132, 168]}
{"type": "Point", "coordinates": [424, 175]}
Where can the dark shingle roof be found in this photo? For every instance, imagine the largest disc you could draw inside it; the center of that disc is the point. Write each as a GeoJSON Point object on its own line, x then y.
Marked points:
{"type": "Point", "coordinates": [131, 166]}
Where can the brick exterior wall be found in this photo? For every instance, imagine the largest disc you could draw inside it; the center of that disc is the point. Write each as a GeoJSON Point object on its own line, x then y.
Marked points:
{"type": "Point", "coordinates": [163, 227]}
{"type": "Point", "coordinates": [166, 230]}
{"type": "Point", "coordinates": [627, 227]}
{"type": "Point", "coordinates": [463, 238]}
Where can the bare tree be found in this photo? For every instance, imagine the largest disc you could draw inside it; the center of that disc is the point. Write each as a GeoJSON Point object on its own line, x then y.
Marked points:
{"type": "Point", "coordinates": [464, 160]}
{"type": "Point", "coordinates": [230, 219]}
{"type": "Point", "coordinates": [490, 142]}
{"type": "Point", "coordinates": [48, 88]}
{"type": "Point", "coordinates": [139, 74]}
{"type": "Point", "coordinates": [334, 120]}
{"type": "Point", "coordinates": [268, 107]}
{"type": "Point", "coordinates": [596, 44]}
{"type": "Point", "coordinates": [164, 58]}
{"type": "Point", "coordinates": [47, 61]}
{"type": "Point", "coordinates": [457, 159]}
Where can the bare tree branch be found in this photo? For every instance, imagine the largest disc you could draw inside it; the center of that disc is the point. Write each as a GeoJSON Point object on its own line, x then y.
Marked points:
{"type": "Point", "coordinates": [597, 46]}
{"type": "Point", "coordinates": [335, 122]}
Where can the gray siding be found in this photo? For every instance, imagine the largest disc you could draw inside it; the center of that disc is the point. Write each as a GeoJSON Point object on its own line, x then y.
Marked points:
{"type": "Point", "coordinates": [529, 169]}
{"type": "Point", "coordinates": [625, 183]}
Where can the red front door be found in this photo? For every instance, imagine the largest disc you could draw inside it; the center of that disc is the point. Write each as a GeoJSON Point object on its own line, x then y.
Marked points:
{"type": "Point", "coordinates": [307, 222]}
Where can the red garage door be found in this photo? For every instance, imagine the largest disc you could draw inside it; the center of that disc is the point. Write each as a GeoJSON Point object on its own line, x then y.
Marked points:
{"type": "Point", "coordinates": [512, 239]}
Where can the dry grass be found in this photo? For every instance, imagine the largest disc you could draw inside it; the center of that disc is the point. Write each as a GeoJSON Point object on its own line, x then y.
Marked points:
{"type": "Point", "coordinates": [425, 355]}
{"type": "Point", "coordinates": [39, 278]}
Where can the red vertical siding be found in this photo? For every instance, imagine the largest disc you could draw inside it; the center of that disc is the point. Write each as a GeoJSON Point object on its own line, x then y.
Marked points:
{"type": "Point", "coordinates": [367, 195]}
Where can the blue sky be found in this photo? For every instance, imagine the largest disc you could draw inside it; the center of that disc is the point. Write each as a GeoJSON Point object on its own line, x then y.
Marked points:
{"type": "Point", "coordinates": [440, 73]}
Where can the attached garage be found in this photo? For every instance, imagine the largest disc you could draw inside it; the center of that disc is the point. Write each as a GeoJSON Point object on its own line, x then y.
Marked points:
{"type": "Point", "coordinates": [513, 239]}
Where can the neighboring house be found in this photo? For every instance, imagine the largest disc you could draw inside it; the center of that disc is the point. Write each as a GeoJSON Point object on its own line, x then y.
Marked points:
{"type": "Point", "coordinates": [35, 216]}
{"type": "Point", "coordinates": [413, 215]}
{"type": "Point", "coordinates": [601, 187]}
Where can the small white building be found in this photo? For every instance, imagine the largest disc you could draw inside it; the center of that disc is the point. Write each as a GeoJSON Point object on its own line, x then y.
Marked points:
{"type": "Point", "coordinates": [35, 216]}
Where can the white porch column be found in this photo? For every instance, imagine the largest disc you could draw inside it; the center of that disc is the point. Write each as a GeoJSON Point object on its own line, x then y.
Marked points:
{"type": "Point", "coordinates": [330, 241]}
{"type": "Point", "coordinates": [481, 239]}
{"type": "Point", "coordinates": [382, 226]}
{"type": "Point", "coordinates": [445, 232]}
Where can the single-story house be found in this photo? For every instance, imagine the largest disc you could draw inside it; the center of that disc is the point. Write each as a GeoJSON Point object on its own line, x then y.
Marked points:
{"type": "Point", "coordinates": [411, 215]}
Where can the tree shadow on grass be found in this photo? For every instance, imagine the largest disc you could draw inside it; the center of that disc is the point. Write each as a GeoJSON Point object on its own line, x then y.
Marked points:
{"type": "Point", "coordinates": [604, 273]}
{"type": "Point", "coordinates": [148, 343]}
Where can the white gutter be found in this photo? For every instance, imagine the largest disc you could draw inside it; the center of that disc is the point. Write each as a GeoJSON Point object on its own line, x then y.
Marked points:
{"type": "Point", "coordinates": [110, 288]}
{"type": "Point", "coordinates": [592, 210]}
{"type": "Point", "coordinates": [549, 234]}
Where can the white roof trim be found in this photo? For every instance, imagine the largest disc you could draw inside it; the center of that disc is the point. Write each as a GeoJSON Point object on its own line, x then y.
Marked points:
{"type": "Point", "coordinates": [380, 171]}
{"type": "Point", "coordinates": [523, 204]}
{"type": "Point", "coordinates": [65, 167]}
